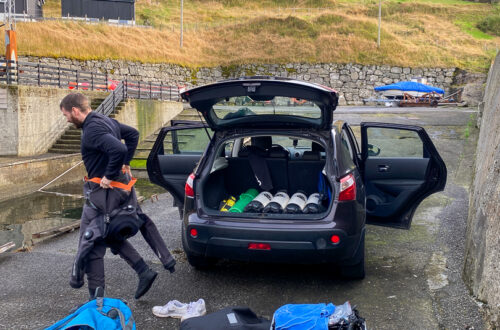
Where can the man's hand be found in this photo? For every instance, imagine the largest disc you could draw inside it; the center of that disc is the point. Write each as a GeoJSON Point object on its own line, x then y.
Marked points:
{"type": "Point", "coordinates": [105, 183]}
{"type": "Point", "coordinates": [126, 169]}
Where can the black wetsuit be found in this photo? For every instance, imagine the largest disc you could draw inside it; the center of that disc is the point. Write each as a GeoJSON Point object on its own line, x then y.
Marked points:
{"type": "Point", "coordinates": [103, 154]}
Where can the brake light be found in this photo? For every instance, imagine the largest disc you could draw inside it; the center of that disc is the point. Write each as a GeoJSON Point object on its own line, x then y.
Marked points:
{"type": "Point", "coordinates": [347, 188]}
{"type": "Point", "coordinates": [193, 232]}
{"type": "Point", "coordinates": [188, 188]}
{"type": "Point", "coordinates": [335, 239]}
{"type": "Point", "coordinates": [259, 246]}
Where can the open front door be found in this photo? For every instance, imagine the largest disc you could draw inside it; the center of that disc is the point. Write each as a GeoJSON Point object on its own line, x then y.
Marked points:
{"type": "Point", "coordinates": [401, 167]}
{"type": "Point", "coordinates": [175, 154]}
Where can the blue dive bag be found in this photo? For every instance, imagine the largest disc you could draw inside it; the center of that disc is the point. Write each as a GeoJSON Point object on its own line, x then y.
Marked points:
{"type": "Point", "coordinates": [100, 313]}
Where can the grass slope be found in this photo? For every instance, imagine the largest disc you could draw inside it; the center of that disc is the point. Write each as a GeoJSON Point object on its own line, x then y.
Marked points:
{"type": "Point", "coordinates": [227, 32]}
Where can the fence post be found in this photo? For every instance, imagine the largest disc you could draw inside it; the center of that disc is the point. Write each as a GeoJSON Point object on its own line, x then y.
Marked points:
{"type": "Point", "coordinates": [59, 76]}
{"type": "Point", "coordinates": [77, 84]}
{"type": "Point", "coordinates": [161, 90]}
{"type": "Point", "coordinates": [125, 88]}
{"type": "Point", "coordinates": [92, 81]}
{"type": "Point", "coordinates": [106, 82]}
{"type": "Point", "coordinates": [7, 72]}
{"type": "Point", "coordinates": [139, 89]}
{"type": "Point", "coordinates": [150, 91]}
{"type": "Point", "coordinates": [38, 71]}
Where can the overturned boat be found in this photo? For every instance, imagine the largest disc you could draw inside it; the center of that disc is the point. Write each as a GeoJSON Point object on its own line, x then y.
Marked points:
{"type": "Point", "coordinates": [412, 88]}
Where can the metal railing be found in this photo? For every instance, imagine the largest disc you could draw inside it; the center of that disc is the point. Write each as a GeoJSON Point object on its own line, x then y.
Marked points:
{"type": "Point", "coordinates": [37, 74]}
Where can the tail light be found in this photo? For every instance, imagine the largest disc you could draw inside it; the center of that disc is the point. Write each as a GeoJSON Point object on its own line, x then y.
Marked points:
{"type": "Point", "coordinates": [347, 188]}
{"type": "Point", "coordinates": [188, 188]}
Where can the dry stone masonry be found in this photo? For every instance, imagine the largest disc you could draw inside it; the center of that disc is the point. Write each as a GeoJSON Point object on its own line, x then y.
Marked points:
{"type": "Point", "coordinates": [354, 82]}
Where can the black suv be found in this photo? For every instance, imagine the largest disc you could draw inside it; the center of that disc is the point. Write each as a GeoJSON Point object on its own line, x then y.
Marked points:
{"type": "Point", "coordinates": [278, 135]}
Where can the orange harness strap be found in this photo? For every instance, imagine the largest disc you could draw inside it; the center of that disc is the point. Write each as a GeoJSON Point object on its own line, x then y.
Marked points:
{"type": "Point", "coordinates": [115, 184]}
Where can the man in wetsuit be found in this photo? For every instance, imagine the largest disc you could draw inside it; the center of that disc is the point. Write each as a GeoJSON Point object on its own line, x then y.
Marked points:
{"type": "Point", "coordinates": [105, 156]}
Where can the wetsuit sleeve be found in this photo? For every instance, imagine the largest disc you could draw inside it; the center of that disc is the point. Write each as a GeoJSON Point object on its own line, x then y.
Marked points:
{"type": "Point", "coordinates": [131, 137]}
{"type": "Point", "coordinates": [113, 148]}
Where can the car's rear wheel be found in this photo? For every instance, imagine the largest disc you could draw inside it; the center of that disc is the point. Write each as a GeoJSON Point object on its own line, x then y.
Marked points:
{"type": "Point", "coordinates": [356, 271]}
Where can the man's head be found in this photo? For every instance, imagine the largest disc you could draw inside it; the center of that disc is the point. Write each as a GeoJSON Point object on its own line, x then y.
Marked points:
{"type": "Point", "coordinates": [75, 107]}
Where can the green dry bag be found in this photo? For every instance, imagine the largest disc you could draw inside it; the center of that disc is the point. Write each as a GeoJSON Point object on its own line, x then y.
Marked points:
{"type": "Point", "coordinates": [244, 199]}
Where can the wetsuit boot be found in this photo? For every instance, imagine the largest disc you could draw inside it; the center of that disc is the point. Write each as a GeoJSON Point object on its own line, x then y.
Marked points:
{"type": "Point", "coordinates": [146, 279]}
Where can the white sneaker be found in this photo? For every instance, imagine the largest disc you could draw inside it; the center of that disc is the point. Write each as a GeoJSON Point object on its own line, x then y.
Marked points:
{"type": "Point", "coordinates": [173, 308]}
{"type": "Point", "coordinates": [195, 309]}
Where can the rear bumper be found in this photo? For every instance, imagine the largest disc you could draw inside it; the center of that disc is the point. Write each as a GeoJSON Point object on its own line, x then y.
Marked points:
{"type": "Point", "coordinates": [287, 244]}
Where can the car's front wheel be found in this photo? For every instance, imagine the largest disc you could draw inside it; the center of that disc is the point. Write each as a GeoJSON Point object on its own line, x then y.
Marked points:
{"type": "Point", "coordinates": [356, 271]}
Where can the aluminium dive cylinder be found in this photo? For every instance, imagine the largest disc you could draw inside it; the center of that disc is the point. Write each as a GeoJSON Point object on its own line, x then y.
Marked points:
{"type": "Point", "coordinates": [259, 202]}
{"type": "Point", "coordinates": [297, 203]}
{"type": "Point", "coordinates": [278, 203]}
{"type": "Point", "coordinates": [313, 204]}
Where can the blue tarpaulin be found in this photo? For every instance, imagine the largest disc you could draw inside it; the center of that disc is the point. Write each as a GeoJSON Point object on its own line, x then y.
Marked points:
{"type": "Point", "coordinates": [407, 86]}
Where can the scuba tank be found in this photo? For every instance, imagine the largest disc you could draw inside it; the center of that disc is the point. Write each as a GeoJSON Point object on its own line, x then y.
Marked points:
{"type": "Point", "coordinates": [297, 203]}
{"type": "Point", "coordinates": [278, 203]}
{"type": "Point", "coordinates": [259, 202]}
{"type": "Point", "coordinates": [313, 204]}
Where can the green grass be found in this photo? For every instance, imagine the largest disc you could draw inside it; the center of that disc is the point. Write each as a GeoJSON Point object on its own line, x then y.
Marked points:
{"type": "Point", "coordinates": [138, 163]}
{"type": "Point", "coordinates": [473, 30]}
{"type": "Point", "coordinates": [490, 24]}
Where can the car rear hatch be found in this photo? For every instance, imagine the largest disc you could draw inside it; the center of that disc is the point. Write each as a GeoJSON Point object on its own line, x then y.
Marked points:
{"type": "Point", "coordinates": [264, 102]}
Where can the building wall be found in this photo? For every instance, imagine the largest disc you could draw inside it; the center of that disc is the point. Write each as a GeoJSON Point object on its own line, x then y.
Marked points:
{"type": "Point", "coordinates": [32, 121]}
{"type": "Point", "coordinates": [482, 262]}
{"type": "Point", "coordinates": [147, 116]}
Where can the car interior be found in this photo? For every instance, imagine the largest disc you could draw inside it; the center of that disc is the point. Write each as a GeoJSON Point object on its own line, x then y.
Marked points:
{"type": "Point", "coordinates": [294, 165]}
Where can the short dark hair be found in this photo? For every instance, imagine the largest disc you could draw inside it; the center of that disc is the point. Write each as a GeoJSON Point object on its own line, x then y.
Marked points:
{"type": "Point", "coordinates": [77, 100]}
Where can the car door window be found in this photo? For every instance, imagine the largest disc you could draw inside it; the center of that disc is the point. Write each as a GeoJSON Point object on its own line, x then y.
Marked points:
{"type": "Point", "coordinates": [347, 148]}
{"type": "Point", "coordinates": [185, 141]}
{"type": "Point", "coordinates": [388, 142]}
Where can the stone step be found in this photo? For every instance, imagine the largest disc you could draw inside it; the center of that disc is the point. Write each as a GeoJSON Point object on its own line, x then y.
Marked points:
{"type": "Point", "coordinates": [67, 146]}
{"type": "Point", "coordinates": [67, 137]}
{"type": "Point", "coordinates": [64, 141]}
{"type": "Point", "coordinates": [63, 151]}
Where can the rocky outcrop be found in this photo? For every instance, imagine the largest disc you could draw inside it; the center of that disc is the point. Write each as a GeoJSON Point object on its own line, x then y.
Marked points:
{"type": "Point", "coordinates": [482, 262]}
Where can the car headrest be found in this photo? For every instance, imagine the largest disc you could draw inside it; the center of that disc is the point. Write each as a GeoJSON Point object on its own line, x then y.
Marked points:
{"type": "Point", "coordinates": [278, 152]}
{"type": "Point", "coordinates": [264, 142]}
{"type": "Point", "coordinates": [317, 147]}
{"type": "Point", "coordinates": [311, 155]}
{"type": "Point", "coordinates": [257, 150]}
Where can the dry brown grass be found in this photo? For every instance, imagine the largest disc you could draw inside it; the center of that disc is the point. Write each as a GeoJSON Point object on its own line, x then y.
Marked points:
{"type": "Point", "coordinates": [413, 34]}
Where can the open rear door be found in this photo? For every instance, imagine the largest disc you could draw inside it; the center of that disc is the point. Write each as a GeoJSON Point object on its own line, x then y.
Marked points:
{"type": "Point", "coordinates": [401, 167]}
{"type": "Point", "coordinates": [175, 154]}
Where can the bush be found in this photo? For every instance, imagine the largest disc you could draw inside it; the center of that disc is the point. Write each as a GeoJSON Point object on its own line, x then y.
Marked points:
{"type": "Point", "coordinates": [490, 25]}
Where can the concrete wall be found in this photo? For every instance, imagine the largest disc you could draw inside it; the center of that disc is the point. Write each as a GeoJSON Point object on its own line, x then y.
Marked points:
{"type": "Point", "coordinates": [32, 120]}
{"type": "Point", "coordinates": [147, 116]}
{"type": "Point", "coordinates": [25, 176]}
{"type": "Point", "coordinates": [482, 262]}
{"type": "Point", "coordinates": [354, 82]}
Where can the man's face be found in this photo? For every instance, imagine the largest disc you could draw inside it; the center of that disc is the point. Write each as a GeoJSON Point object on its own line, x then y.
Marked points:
{"type": "Point", "coordinates": [73, 116]}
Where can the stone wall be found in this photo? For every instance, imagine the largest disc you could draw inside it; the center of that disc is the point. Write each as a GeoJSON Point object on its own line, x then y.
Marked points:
{"type": "Point", "coordinates": [32, 121]}
{"type": "Point", "coordinates": [354, 82]}
{"type": "Point", "coordinates": [482, 262]}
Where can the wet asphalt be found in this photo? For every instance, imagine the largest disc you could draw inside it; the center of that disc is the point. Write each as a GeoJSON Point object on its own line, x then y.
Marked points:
{"type": "Point", "coordinates": [413, 277]}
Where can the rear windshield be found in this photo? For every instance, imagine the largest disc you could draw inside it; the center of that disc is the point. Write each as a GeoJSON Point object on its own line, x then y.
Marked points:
{"type": "Point", "coordinates": [240, 106]}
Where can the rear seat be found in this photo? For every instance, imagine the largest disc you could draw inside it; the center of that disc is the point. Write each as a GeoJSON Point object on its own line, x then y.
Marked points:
{"type": "Point", "coordinates": [303, 173]}
{"type": "Point", "coordinates": [239, 168]}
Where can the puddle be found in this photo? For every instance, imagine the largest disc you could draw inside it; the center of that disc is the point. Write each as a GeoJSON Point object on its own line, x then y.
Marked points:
{"type": "Point", "coordinates": [24, 216]}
